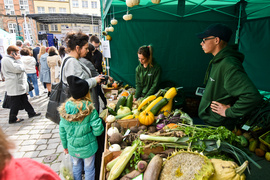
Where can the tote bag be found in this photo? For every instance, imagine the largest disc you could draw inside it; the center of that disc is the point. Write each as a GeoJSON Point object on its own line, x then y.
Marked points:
{"type": "Point", "coordinates": [59, 94]}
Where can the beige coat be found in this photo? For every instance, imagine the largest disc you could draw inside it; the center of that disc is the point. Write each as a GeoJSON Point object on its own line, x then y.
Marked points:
{"type": "Point", "coordinates": [52, 62]}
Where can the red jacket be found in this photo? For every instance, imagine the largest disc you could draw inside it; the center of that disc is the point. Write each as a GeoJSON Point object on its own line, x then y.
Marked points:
{"type": "Point", "coordinates": [27, 169]}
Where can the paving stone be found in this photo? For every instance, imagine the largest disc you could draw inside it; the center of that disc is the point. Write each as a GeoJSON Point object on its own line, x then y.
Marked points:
{"type": "Point", "coordinates": [42, 147]}
{"type": "Point", "coordinates": [18, 142]}
{"type": "Point", "coordinates": [38, 159]}
{"type": "Point", "coordinates": [51, 126]}
{"type": "Point", "coordinates": [22, 132]}
{"type": "Point", "coordinates": [56, 167]}
{"type": "Point", "coordinates": [27, 148]}
{"type": "Point", "coordinates": [55, 140]}
{"type": "Point", "coordinates": [33, 154]}
{"type": "Point", "coordinates": [13, 128]}
{"type": "Point", "coordinates": [13, 137]}
{"type": "Point", "coordinates": [41, 141]}
{"type": "Point", "coordinates": [45, 136]}
{"type": "Point", "coordinates": [56, 135]}
{"type": "Point", "coordinates": [60, 149]}
{"type": "Point", "coordinates": [55, 130]}
{"type": "Point", "coordinates": [10, 133]}
{"type": "Point", "coordinates": [34, 132]}
{"type": "Point", "coordinates": [27, 142]}
{"type": "Point", "coordinates": [46, 152]}
{"type": "Point", "coordinates": [35, 136]}
{"type": "Point", "coordinates": [24, 137]}
{"type": "Point", "coordinates": [27, 127]}
{"type": "Point", "coordinates": [18, 154]}
{"type": "Point", "coordinates": [52, 146]}
{"type": "Point", "coordinates": [45, 131]}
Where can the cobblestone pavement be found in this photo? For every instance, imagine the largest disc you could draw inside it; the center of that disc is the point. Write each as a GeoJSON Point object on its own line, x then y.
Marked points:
{"type": "Point", "coordinates": [37, 137]}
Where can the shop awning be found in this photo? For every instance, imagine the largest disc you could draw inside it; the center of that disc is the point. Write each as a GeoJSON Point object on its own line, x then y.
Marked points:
{"type": "Point", "coordinates": [53, 18]}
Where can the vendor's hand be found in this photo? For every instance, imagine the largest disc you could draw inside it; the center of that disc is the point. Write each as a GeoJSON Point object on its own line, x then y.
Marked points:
{"type": "Point", "coordinates": [111, 79]}
{"type": "Point", "coordinates": [134, 99]}
{"type": "Point", "coordinates": [66, 151]}
{"type": "Point", "coordinates": [219, 108]}
{"type": "Point", "coordinates": [99, 78]}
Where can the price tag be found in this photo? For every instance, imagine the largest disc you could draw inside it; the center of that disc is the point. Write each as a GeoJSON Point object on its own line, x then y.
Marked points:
{"type": "Point", "coordinates": [126, 133]}
{"type": "Point", "coordinates": [245, 127]}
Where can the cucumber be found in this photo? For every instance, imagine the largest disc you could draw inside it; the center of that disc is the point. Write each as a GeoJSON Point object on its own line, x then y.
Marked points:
{"type": "Point", "coordinates": [130, 101]}
{"type": "Point", "coordinates": [123, 115]}
{"type": "Point", "coordinates": [111, 111]}
{"type": "Point", "coordinates": [159, 105]}
{"type": "Point", "coordinates": [122, 101]}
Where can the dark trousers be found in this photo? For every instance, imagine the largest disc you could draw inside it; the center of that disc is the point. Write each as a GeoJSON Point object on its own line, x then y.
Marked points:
{"type": "Point", "coordinates": [100, 93]}
{"type": "Point", "coordinates": [16, 103]}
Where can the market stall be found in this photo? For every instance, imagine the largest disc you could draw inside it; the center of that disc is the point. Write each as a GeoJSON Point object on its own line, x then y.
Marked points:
{"type": "Point", "coordinates": [155, 125]}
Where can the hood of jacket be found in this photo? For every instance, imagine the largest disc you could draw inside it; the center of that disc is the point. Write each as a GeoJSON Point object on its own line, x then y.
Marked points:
{"type": "Point", "coordinates": [75, 110]}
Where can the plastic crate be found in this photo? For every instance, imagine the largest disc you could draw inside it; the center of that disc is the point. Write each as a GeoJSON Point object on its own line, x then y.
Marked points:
{"type": "Point", "coordinates": [262, 137]}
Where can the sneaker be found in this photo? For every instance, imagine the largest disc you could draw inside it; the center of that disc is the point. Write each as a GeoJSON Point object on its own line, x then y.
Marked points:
{"type": "Point", "coordinates": [37, 114]}
{"type": "Point", "coordinates": [46, 90]}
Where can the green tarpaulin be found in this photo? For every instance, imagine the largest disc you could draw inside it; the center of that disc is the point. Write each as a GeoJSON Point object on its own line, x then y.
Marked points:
{"type": "Point", "coordinates": [171, 28]}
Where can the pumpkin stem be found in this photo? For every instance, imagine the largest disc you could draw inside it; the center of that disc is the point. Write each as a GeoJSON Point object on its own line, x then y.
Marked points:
{"type": "Point", "coordinates": [240, 170]}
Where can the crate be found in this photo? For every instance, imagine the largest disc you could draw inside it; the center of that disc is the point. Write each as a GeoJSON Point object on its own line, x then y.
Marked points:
{"type": "Point", "coordinates": [108, 156]}
{"type": "Point", "coordinates": [262, 137]}
{"type": "Point", "coordinates": [127, 123]}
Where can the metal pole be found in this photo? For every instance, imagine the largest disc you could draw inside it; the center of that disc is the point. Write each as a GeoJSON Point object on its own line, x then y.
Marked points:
{"type": "Point", "coordinates": [18, 26]}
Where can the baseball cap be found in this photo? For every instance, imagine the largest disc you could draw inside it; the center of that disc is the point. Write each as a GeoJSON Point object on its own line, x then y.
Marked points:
{"type": "Point", "coordinates": [222, 31]}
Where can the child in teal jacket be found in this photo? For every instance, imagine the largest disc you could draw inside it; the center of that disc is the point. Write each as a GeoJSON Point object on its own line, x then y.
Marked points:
{"type": "Point", "coordinates": [78, 128]}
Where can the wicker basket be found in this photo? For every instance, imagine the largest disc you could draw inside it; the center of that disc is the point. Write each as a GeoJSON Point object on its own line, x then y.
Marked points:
{"type": "Point", "coordinates": [262, 137]}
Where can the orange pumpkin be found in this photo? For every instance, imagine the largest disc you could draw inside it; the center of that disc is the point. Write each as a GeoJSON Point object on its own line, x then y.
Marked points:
{"type": "Point", "coordinates": [125, 93]}
{"type": "Point", "coordinates": [146, 118]}
{"type": "Point", "coordinates": [115, 85]}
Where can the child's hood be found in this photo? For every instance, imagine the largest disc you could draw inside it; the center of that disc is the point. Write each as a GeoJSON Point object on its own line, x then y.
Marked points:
{"type": "Point", "coordinates": [70, 110]}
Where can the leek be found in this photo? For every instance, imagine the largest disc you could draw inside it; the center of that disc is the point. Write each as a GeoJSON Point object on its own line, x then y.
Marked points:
{"type": "Point", "coordinates": [158, 138]}
{"type": "Point", "coordinates": [121, 163]}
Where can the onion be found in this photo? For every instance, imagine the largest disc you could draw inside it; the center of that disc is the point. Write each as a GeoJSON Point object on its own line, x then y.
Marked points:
{"type": "Point", "coordinates": [160, 126]}
{"type": "Point", "coordinates": [161, 116]}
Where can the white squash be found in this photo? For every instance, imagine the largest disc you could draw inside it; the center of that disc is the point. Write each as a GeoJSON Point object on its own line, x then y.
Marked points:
{"type": "Point", "coordinates": [107, 29]}
{"type": "Point", "coordinates": [127, 17]}
{"type": "Point", "coordinates": [114, 21]}
{"type": "Point", "coordinates": [111, 29]}
{"type": "Point", "coordinates": [155, 1]}
{"type": "Point", "coordinates": [131, 3]}
{"type": "Point", "coordinates": [112, 130]}
{"type": "Point", "coordinates": [115, 147]}
{"type": "Point", "coordinates": [112, 106]}
{"type": "Point", "coordinates": [110, 118]}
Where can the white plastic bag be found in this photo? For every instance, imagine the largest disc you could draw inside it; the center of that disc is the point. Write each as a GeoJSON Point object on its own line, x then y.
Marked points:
{"type": "Point", "coordinates": [66, 168]}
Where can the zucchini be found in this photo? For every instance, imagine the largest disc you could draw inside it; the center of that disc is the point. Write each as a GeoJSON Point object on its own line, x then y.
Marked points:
{"type": "Point", "coordinates": [123, 115]}
{"type": "Point", "coordinates": [130, 101]}
{"type": "Point", "coordinates": [159, 105]}
{"type": "Point", "coordinates": [111, 111]}
{"type": "Point", "coordinates": [122, 101]}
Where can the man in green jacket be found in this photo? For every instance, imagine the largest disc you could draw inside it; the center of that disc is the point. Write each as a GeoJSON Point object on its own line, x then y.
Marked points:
{"type": "Point", "coordinates": [229, 94]}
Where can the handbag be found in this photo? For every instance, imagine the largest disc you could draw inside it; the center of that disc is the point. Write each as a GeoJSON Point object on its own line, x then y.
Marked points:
{"type": "Point", "coordinates": [7, 102]}
{"type": "Point", "coordinates": [31, 87]}
{"type": "Point", "coordinates": [59, 93]}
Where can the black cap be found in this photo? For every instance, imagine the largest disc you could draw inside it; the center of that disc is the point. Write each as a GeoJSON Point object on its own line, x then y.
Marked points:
{"type": "Point", "coordinates": [78, 87]}
{"type": "Point", "coordinates": [218, 30]}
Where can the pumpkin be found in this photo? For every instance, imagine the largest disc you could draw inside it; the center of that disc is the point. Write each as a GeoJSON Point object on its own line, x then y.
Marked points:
{"type": "Point", "coordinates": [114, 21]}
{"type": "Point", "coordinates": [125, 93]}
{"type": "Point", "coordinates": [146, 118]}
{"type": "Point", "coordinates": [115, 85]}
{"type": "Point", "coordinates": [227, 170]}
{"type": "Point", "coordinates": [111, 29]}
{"type": "Point", "coordinates": [108, 37]}
{"type": "Point", "coordinates": [127, 17]}
{"type": "Point", "coordinates": [131, 3]}
{"type": "Point", "coordinates": [155, 1]}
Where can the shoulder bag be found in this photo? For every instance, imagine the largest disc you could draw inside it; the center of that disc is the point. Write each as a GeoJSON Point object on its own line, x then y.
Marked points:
{"type": "Point", "coordinates": [59, 93]}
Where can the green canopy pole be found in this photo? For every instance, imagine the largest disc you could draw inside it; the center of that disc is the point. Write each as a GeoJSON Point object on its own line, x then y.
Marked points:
{"type": "Point", "coordinates": [239, 25]}
{"type": "Point", "coordinates": [101, 13]}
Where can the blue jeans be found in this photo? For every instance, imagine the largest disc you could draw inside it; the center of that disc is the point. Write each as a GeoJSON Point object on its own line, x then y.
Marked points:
{"type": "Point", "coordinates": [33, 78]}
{"type": "Point", "coordinates": [89, 167]}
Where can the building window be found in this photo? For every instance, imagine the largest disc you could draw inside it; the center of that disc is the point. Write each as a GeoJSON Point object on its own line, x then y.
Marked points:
{"type": "Point", "coordinates": [9, 7]}
{"type": "Point", "coordinates": [41, 10]}
{"type": "Point", "coordinates": [52, 10]}
{"type": "Point", "coordinates": [43, 27]}
{"type": "Point", "coordinates": [29, 31]}
{"type": "Point", "coordinates": [62, 10]}
{"type": "Point", "coordinates": [85, 4]}
{"type": "Point", "coordinates": [75, 3]}
{"type": "Point", "coordinates": [54, 27]}
{"type": "Point", "coordinates": [94, 14]}
{"type": "Point", "coordinates": [12, 27]}
{"type": "Point", "coordinates": [95, 29]}
{"type": "Point", "coordinates": [24, 7]}
{"type": "Point", "coordinates": [94, 4]}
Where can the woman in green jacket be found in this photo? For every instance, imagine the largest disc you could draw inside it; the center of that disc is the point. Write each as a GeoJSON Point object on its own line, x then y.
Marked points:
{"type": "Point", "coordinates": [147, 73]}
{"type": "Point", "coordinates": [79, 126]}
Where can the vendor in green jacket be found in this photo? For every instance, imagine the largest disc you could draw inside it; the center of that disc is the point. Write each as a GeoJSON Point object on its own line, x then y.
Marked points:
{"type": "Point", "coordinates": [78, 128]}
{"type": "Point", "coordinates": [229, 94]}
{"type": "Point", "coordinates": [147, 73]}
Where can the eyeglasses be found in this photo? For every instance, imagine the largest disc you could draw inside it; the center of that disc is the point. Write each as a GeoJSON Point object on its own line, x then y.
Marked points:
{"type": "Point", "coordinates": [203, 40]}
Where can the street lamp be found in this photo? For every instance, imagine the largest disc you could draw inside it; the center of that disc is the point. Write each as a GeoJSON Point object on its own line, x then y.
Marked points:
{"type": "Point", "coordinates": [18, 28]}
